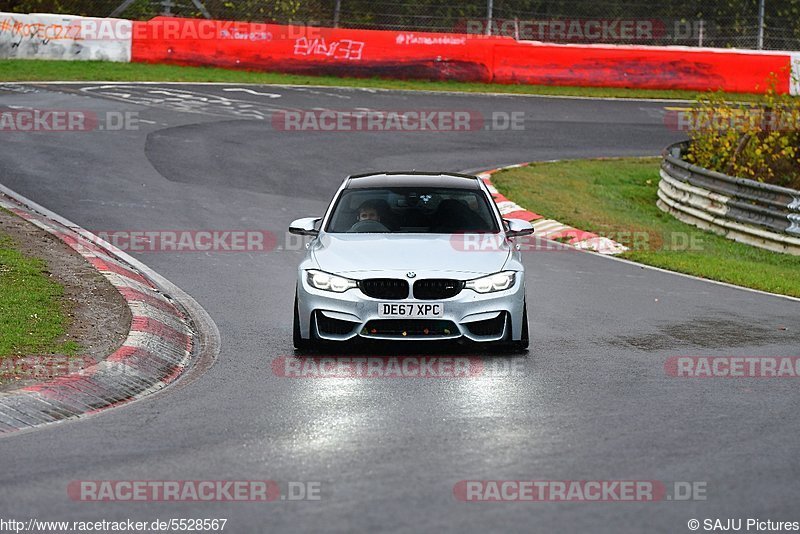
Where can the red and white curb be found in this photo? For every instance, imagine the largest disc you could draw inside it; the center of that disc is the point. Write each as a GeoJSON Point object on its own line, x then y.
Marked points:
{"type": "Point", "coordinates": [156, 352]}
{"type": "Point", "coordinates": [549, 228]}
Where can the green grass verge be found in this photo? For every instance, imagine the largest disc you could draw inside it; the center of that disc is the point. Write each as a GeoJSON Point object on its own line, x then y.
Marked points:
{"type": "Point", "coordinates": [32, 314]}
{"type": "Point", "coordinates": [42, 70]}
{"type": "Point", "coordinates": [617, 198]}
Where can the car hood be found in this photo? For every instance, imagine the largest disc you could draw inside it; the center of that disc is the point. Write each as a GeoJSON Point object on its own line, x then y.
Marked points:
{"type": "Point", "coordinates": [422, 253]}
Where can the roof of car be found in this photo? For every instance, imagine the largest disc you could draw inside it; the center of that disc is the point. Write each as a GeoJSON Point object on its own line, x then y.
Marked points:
{"type": "Point", "coordinates": [413, 179]}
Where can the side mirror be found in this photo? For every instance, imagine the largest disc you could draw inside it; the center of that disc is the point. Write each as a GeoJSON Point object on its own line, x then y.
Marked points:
{"type": "Point", "coordinates": [517, 227]}
{"type": "Point", "coordinates": [306, 226]}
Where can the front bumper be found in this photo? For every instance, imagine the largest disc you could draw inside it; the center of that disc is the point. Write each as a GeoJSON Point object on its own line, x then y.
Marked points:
{"type": "Point", "coordinates": [469, 315]}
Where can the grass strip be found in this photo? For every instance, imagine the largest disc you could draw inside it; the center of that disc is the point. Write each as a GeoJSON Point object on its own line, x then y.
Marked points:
{"type": "Point", "coordinates": [50, 70]}
{"type": "Point", "coordinates": [33, 317]}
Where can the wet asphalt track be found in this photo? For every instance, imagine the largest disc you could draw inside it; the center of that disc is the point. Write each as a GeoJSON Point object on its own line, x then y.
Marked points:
{"type": "Point", "coordinates": [592, 402]}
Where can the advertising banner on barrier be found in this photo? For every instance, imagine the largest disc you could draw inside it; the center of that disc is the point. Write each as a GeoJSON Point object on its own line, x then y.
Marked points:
{"type": "Point", "coordinates": [43, 36]}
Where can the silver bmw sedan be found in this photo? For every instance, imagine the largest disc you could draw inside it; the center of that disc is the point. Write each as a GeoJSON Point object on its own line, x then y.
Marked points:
{"type": "Point", "coordinates": [411, 256]}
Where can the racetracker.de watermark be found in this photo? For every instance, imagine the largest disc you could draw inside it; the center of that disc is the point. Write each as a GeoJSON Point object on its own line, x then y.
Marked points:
{"type": "Point", "coordinates": [638, 241]}
{"type": "Point", "coordinates": [410, 120]}
{"type": "Point", "coordinates": [395, 367]}
{"type": "Point", "coordinates": [60, 120]}
{"type": "Point", "coordinates": [193, 490]}
{"type": "Point", "coordinates": [578, 491]}
{"type": "Point", "coordinates": [174, 241]}
{"type": "Point", "coordinates": [42, 366]}
{"type": "Point", "coordinates": [744, 119]}
{"type": "Point", "coordinates": [733, 366]}
{"type": "Point", "coordinates": [86, 29]}
{"type": "Point", "coordinates": [587, 30]}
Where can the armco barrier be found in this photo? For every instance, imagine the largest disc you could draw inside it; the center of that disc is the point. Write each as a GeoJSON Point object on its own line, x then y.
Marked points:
{"type": "Point", "coordinates": [43, 36]}
{"type": "Point", "coordinates": [762, 215]}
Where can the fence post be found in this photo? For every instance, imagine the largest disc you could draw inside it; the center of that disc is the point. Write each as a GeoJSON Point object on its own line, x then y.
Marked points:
{"type": "Point", "coordinates": [337, 10]}
{"type": "Point", "coordinates": [761, 24]}
{"type": "Point", "coordinates": [700, 32]}
{"type": "Point", "coordinates": [489, 16]}
{"type": "Point", "coordinates": [199, 5]}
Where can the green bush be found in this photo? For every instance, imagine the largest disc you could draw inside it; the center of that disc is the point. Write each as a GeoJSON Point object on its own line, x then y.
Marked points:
{"type": "Point", "coordinates": [759, 141]}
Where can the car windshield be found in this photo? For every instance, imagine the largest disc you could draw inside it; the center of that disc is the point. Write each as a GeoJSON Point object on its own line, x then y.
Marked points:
{"type": "Point", "coordinates": [428, 210]}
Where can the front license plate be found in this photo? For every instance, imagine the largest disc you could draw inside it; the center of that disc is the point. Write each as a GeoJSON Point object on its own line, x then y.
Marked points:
{"type": "Point", "coordinates": [425, 310]}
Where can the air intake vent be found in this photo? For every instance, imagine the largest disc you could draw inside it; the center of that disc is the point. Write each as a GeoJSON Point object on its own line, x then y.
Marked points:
{"type": "Point", "coordinates": [489, 327]}
{"type": "Point", "coordinates": [327, 325]}
{"type": "Point", "coordinates": [410, 328]}
{"type": "Point", "coordinates": [437, 289]}
{"type": "Point", "coordinates": [384, 288]}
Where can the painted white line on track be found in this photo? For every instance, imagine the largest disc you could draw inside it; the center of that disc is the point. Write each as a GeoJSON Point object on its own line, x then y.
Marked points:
{"type": "Point", "coordinates": [251, 92]}
{"type": "Point", "coordinates": [372, 90]}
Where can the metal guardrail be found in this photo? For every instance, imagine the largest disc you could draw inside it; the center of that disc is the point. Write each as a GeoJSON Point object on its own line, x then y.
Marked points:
{"type": "Point", "coordinates": [747, 211]}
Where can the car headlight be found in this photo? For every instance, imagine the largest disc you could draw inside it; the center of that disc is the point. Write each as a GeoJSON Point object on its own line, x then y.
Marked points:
{"type": "Point", "coordinates": [493, 282]}
{"type": "Point", "coordinates": [329, 282]}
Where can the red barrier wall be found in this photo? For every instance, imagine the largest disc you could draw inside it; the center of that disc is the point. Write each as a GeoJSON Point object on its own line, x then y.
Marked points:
{"type": "Point", "coordinates": [639, 67]}
{"type": "Point", "coordinates": [300, 49]}
{"type": "Point", "coordinates": [436, 56]}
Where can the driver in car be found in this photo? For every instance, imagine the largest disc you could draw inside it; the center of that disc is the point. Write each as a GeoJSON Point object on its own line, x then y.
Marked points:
{"type": "Point", "coordinates": [373, 216]}
{"type": "Point", "coordinates": [369, 211]}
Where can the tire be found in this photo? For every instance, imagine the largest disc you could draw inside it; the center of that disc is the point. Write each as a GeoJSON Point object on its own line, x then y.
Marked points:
{"type": "Point", "coordinates": [522, 344]}
{"type": "Point", "coordinates": [297, 338]}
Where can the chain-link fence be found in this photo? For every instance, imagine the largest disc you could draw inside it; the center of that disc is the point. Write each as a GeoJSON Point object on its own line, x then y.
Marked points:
{"type": "Point", "coordinates": [769, 24]}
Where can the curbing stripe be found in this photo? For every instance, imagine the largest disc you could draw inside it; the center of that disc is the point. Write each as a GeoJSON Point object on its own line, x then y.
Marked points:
{"type": "Point", "coordinates": [144, 309]}
{"type": "Point", "coordinates": [164, 349]}
{"type": "Point", "coordinates": [19, 408]}
{"type": "Point", "coordinates": [574, 236]}
{"type": "Point", "coordinates": [550, 226]}
{"type": "Point", "coordinates": [525, 215]}
{"type": "Point", "coordinates": [119, 281]}
{"type": "Point", "coordinates": [603, 245]}
{"type": "Point", "coordinates": [79, 244]}
{"type": "Point", "coordinates": [158, 329]}
{"type": "Point", "coordinates": [12, 422]}
{"type": "Point", "coordinates": [144, 363]}
{"type": "Point", "coordinates": [106, 266]}
{"type": "Point", "coordinates": [134, 296]}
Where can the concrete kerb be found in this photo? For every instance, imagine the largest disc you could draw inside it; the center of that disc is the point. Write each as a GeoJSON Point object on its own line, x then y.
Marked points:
{"type": "Point", "coordinates": [171, 334]}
